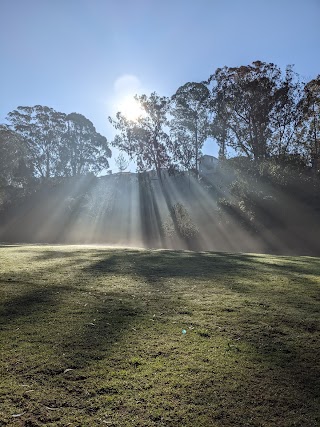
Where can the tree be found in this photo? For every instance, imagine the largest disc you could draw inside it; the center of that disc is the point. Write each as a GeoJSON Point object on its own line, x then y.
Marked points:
{"type": "Point", "coordinates": [145, 140]}
{"type": "Point", "coordinates": [14, 168]}
{"type": "Point", "coordinates": [58, 144]}
{"type": "Point", "coordinates": [309, 126]}
{"type": "Point", "coordinates": [255, 109]}
{"type": "Point", "coordinates": [189, 126]}
{"type": "Point", "coordinates": [42, 130]}
{"type": "Point", "coordinates": [183, 149]}
{"type": "Point", "coordinates": [121, 162]}
{"type": "Point", "coordinates": [285, 116]}
{"type": "Point", "coordinates": [8, 154]}
{"type": "Point", "coordinates": [83, 150]}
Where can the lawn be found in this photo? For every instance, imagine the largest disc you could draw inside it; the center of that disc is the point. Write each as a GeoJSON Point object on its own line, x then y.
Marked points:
{"type": "Point", "coordinates": [93, 336]}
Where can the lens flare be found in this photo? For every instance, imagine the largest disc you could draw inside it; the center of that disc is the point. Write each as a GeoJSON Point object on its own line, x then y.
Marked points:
{"type": "Point", "coordinates": [130, 108]}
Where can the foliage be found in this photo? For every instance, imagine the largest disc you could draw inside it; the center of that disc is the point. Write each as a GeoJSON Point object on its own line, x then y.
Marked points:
{"type": "Point", "coordinates": [56, 144]}
{"type": "Point", "coordinates": [189, 125]}
{"type": "Point", "coordinates": [83, 150]}
{"type": "Point", "coordinates": [42, 130]}
{"type": "Point", "coordinates": [255, 109]}
{"type": "Point", "coordinates": [286, 115]}
{"type": "Point", "coordinates": [263, 193]}
{"type": "Point", "coordinates": [265, 117]}
{"type": "Point", "coordinates": [180, 224]}
{"type": "Point", "coordinates": [309, 129]}
{"type": "Point", "coordinates": [121, 162]}
{"type": "Point", "coordinates": [145, 140]}
{"type": "Point", "coordinates": [13, 168]}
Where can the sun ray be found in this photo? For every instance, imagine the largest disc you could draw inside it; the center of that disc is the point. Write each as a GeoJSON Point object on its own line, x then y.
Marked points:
{"type": "Point", "coordinates": [130, 108]}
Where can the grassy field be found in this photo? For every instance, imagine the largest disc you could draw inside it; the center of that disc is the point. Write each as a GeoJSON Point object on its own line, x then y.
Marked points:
{"type": "Point", "coordinates": [92, 336]}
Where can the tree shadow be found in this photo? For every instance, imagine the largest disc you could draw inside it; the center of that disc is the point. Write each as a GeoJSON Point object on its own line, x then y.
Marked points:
{"type": "Point", "coordinates": [268, 338]}
{"type": "Point", "coordinates": [31, 302]}
{"type": "Point", "coordinates": [156, 267]}
{"type": "Point", "coordinates": [93, 339]}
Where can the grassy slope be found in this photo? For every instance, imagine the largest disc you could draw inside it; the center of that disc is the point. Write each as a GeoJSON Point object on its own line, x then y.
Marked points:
{"type": "Point", "coordinates": [114, 317]}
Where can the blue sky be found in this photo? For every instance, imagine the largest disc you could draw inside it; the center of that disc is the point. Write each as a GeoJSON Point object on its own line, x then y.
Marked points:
{"type": "Point", "coordinates": [84, 55]}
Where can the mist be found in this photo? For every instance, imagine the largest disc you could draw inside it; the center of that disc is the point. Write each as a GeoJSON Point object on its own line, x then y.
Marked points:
{"type": "Point", "coordinates": [177, 211]}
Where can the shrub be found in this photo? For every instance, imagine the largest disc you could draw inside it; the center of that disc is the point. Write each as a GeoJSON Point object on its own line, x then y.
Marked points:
{"type": "Point", "coordinates": [180, 224]}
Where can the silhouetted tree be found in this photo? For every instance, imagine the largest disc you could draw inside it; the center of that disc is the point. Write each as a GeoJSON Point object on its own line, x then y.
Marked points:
{"type": "Point", "coordinates": [13, 158]}
{"type": "Point", "coordinates": [42, 130]}
{"type": "Point", "coordinates": [309, 130]}
{"type": "Point", "coordinates": [121, 162]}
{"type": "Point", "coordinates": [83, 149]}
{"type": "Point", "coordinates": [145, 140]}
{"type": "Point", "coordinates": [286, 115]}
{"type": "Point", "coordinates": [255, 109]}
{"type": "Point", "coordinates": [58, 144]}
{"type": "Point", "coordinates": [189, 126]}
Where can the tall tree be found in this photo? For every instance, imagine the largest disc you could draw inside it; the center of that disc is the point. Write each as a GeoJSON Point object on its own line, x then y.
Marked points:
{"type": "Point", "coordinates": [189, 126]}
{"type": "Point", "coordinates": [84, 149]}
{"type": "Point", "coordinates": [145, 140]}
{"type": "Point", "coordinates": [253, 108]}
{"type": "Point", "coordinates": [285, 115]}
{"type": "Point", "coordinates": [11, 153]}
{"type": "Point", "coordinates": [42, 130]}
{"type": "Point", "coordinates": [309, 129]}
{"type": "Point", "coordinates": [16, 174]}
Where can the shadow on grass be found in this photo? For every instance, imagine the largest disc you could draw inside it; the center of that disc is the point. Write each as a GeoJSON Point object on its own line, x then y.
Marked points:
{"type": "Point", "coordinates": [268, 338]}
{"type": "Point", "coordinates": [58, 254]}
{"type": "Point", "coordinates": [158, 265]}
{"type": "Point", "coordinates": [93, 332]}
{"type": "Point", "coordinates": [31, 302]}
{"type": "Point", "coordinates": [276, 346]}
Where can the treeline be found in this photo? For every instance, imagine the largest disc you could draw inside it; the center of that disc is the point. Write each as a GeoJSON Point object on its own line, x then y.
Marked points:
{"type": "Point", "coordinates": [266, 122]}
{"type": "Point", "coordinates": [42, 143]}
{"type": "Point", "coordinates": [256, 111]}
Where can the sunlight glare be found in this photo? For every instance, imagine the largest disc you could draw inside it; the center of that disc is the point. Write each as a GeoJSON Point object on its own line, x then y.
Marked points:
{"type": "Point", "coordinates": [131, 108]}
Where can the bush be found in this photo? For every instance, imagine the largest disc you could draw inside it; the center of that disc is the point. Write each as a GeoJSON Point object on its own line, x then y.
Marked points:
{"type": "Point", "coordinates": [180, 224]}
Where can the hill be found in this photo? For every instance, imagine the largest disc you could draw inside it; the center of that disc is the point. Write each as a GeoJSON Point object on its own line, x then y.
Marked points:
{"type": "Point", "coordinates": [180, 212]}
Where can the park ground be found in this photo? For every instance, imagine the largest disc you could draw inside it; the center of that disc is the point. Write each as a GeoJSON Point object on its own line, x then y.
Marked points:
{"type": "Point", "coordinates": [96, 336]}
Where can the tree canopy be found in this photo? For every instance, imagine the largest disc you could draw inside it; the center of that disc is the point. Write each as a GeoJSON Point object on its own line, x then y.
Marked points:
{"type": "Point", "coordinates": [265, 120]}
{"type": "Point", "coordinates": [146, 139]}
{"type": "Point", "coordinates": [56, 144]}
{"type": "Point", "coordinates": [190, 123]}
{"type": "Point", "coordinates": [255, 110]}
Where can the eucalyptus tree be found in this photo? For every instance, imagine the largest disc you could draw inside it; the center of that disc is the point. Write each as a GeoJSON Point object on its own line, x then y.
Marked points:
{"type": "Point", "coordinates": [58, 144]}
{"type": "Point", "coordinates": [190, 123]}
{"type": "Point", "coordinates": [146, 139]}
{"type": "Point", "coordinates": [255, 109]}
{"type": "Point", "coordinates": [286, 115]}
{"type": "Point", "coordinates": [309, 126]}
{"type": "Point", "coordinates": [83, 149]}
{"type": "Point", "coordinates": [42, 130]}
{"type": "Point", "coordinates": [11, 154]}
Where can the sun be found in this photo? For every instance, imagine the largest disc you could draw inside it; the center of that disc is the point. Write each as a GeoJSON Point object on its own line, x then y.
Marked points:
{"type": "Point", "coordinates": [130, 108]}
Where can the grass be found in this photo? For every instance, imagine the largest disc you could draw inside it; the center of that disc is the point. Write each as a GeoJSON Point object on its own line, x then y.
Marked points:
{"type": "Point", "coordinates": [93, 337]}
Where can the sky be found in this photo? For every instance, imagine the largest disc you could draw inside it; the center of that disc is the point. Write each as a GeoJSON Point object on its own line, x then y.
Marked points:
{"type": "Point", "coordinates": [85, 56]}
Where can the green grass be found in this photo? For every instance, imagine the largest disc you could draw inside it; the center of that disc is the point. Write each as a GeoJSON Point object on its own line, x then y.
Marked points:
{"type": "Point", "coordinates": [93, 337]}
